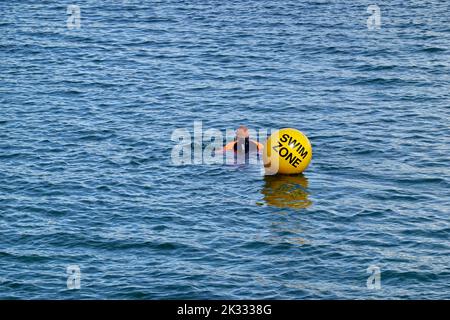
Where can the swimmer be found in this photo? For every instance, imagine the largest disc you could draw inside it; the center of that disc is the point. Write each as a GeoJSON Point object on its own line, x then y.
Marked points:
{"type": "Point", "coordinates": [242, 142]}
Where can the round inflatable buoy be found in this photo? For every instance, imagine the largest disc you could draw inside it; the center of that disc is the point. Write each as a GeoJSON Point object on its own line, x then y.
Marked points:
{"type": "Point", "coordinates": [287, 151]}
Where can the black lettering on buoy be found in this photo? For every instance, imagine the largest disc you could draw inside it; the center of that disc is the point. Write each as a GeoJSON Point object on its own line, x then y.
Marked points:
{"type": "Point", "coordinates": [290, 157]}
{"type": "Point", "coordinates": [275, 148]}
{"type": "Point", "coordinates": [287, 151]}
{"type": "Point", "coordinates": [303, 153]}
{"type": "Point", "coordinates": [294, 143]}
{"type": "Point", "coordinates": [284, 138]}
{"type": "Point", "coordinates": [297, 162]}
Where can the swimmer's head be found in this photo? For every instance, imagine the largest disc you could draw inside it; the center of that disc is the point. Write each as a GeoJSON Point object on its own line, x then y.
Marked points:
{"type": "Point", "coordinates": [242, 133]}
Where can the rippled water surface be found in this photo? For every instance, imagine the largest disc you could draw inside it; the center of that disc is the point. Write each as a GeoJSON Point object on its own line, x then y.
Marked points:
{"type": "Point", "coordinates": [86, 176]}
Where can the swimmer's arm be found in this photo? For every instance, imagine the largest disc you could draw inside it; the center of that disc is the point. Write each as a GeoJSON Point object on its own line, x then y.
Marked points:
{"type": "Point", "coordinates": [259, 146]}
{"type": "Point", "coordinates": [229, 146]}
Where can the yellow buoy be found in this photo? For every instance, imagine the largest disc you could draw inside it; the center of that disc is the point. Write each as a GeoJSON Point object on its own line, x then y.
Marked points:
{"type": "Point", "coordinates": [287, 151]}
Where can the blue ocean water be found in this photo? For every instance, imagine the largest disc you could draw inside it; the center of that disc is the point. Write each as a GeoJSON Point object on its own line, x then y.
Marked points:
{"type": "Point", "coordinates": [86, 176]}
